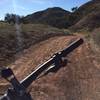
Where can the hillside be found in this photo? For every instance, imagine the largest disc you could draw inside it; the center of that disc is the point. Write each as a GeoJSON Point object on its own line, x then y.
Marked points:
{"type": "Point", "coordinates": [14, 39]}
{"type": "Point", "coordinates": [78, 80]}
{"type": "Point", "coordinates": [87, 16]}
{"type": "Point", "coordinates": [56, 17]}
{"type": "Point", "coordinates": [87, 8]}
{"type": "Point", "coordinates": [88, 23]}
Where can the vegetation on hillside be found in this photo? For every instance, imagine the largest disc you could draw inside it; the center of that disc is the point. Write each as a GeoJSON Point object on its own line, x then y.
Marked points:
{"type": "Point", "coordinates": [15, 38]}
{"type": "Point", "coordinates": [87, 16]}
{"type": "Point", "coordinates": [96, 36]}
{"type": "Point", "coordinates": [57, 17]}
{"type": "Point", "coordinates": [89, 23]}
{"type": "Point", "coordinates": [13, 18]}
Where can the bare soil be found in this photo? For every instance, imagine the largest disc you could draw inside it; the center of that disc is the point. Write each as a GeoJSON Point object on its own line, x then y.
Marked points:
{"type": "Point", "coordinates": [78, 80]}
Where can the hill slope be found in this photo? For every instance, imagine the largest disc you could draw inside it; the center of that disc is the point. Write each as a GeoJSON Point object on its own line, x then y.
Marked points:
{"type": "Point", "coordinates": [87, 8]}
{"type": "Point", "coordinates": [87, 16]}
{"type": "Point", "coordinates": [79, 80]}
{"type": "Point", "coordinates": [56, 17]}
{"type": "Point", "coordinates": [89, 23]}
{"type": "Point", "coordinates": [14, 40]}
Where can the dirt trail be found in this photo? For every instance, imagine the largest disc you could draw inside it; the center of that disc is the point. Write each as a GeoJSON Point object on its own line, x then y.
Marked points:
{"type": "Point", "coordinates": [79, 80]}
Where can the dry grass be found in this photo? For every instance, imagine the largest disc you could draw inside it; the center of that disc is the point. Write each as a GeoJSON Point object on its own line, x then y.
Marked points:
{"type": "Point", "coordinates": [14, 40]}
{"type": "Point", "coordinates": [96, 36]}
{"type": "Point", "coordinates": [88, 23]}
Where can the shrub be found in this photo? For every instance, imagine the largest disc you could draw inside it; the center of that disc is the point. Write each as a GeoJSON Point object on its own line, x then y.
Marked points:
{"type": "Point", "coordinates": [96, 36]}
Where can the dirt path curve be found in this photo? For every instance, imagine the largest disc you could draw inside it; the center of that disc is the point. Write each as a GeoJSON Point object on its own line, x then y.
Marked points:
{"type": "Point", "coordinates": [79, 80]}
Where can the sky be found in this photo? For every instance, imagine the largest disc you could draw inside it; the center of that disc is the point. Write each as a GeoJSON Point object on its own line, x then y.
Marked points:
{"type": "Point", "coordinates": [25, 7]}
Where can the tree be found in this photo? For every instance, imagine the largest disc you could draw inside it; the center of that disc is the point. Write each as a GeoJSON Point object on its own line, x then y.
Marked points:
{"type": "Point", "coordinates": [12, 18]}
{"type": "Point", "coordinates": [74, 9]}
{"type": "Point", "coordinates": [7, 17]}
